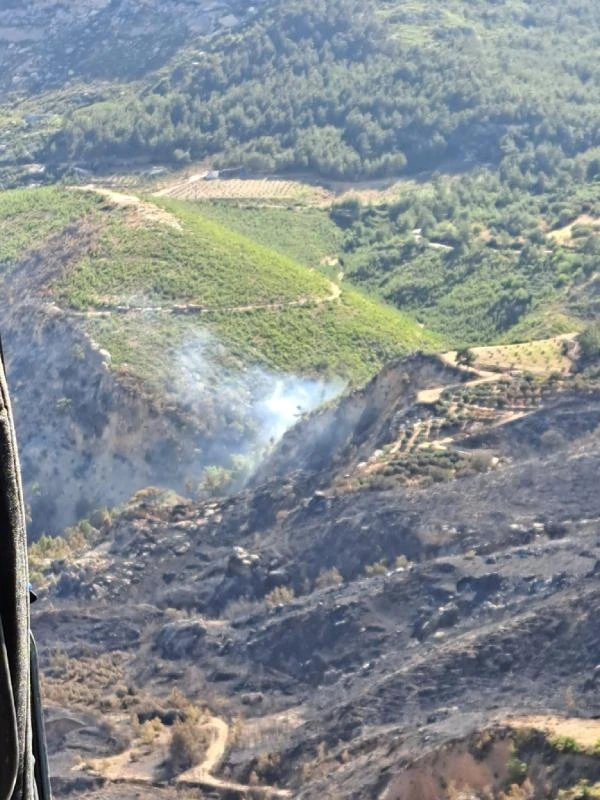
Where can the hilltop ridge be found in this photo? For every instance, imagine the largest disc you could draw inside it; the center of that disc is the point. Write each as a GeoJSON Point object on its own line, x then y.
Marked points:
{"type": "Point", "coordinates": [299, 305]}
{"type": "Point", "coordinates": [149, 344]}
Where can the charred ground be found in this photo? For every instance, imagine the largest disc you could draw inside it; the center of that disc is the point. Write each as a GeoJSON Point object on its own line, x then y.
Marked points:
{"type": "Point", "coordinates": [346, 617]}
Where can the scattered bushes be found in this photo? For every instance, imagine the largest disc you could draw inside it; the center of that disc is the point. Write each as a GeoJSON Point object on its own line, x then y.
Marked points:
{"type": "Point", "coordinates": [589, 343]}
{"type": "Point", "coordinates": [565, 744]}
{"type": "Point", "coordinates": [329, 577]}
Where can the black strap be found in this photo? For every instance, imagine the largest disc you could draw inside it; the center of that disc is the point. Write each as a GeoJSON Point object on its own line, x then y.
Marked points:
{"type": "Point", "coordinates": [40, 751]}
{"type": "Point", "coordinates": [9, 739]}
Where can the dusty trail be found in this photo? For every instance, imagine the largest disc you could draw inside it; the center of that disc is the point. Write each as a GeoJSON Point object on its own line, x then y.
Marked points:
{"type": "Point", "coordinates": [200, 776]}
{"type": "Point", "coordinates": [214, 753]}
{"type": "Point", "coordinates": [141, 766]}
{"type": "Point", "coordinates": [192, 309]}
{"type": "Point", "coordinates": [430, 396]}
{"type": "Point", "coordinates": [147, 211]}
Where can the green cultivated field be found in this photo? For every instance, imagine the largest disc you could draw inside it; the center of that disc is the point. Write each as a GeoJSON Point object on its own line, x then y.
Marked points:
{"type": "Point", "coordinates": [29, 216]}
{"type": "Point", "coordinates": [307, 235]}
{"type": "Point", "coordinates": [203, 263]}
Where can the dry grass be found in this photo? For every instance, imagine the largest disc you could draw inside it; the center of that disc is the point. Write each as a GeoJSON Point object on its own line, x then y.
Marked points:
{"type": "Point", "coordinates": [196, 187]}
{"type": "Point", "coordinates": [541, 357]}
{"type": "Point", "coordinates": [94, 682]}
{"type": "Point", "coordinates": [585, 732]}
{"type": "Point", "coordinates": [564, 236]}
{"type": "Point", "coordinates": [280, 596]}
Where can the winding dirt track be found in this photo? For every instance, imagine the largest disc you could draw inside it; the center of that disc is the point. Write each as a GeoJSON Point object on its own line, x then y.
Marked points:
{"type": "Point", "coordinates": [196, 310]}
{"type": "Point", "coordinates": [200, 776]}
{"type": "Point", "coordinates": [126, 768]}
{"type": "Point", "coordinates": [214, 753]}
{"type": "Point", "coordinates": [151, 213]}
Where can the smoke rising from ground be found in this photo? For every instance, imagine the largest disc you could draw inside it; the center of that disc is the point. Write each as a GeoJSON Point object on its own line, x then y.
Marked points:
{"type": "Point", "coordinates": [248, 409]}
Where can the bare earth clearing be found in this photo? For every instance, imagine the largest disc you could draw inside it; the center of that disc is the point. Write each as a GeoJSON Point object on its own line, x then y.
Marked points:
{"type": "Point", "coordinates": [585, 732]}
{"type": "Point", "coordinates": [143, 212]}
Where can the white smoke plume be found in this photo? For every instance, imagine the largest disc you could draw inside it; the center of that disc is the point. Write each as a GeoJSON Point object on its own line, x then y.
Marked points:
{"type": "Point", "coordinates": [246, 410]}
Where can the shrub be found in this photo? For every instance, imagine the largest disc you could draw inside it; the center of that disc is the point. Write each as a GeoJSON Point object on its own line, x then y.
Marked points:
{"type": "Point", "coordinates": [564, 744]}
{"type": "Point", "coordinates": [589, 343]}
{"type": "Point", "coordinates": [378, 568]}
{"type": "Point", "coordinates": [329, 577]}
{"type": "Point", "coordinates": [466, 357]}
{"type": "Point", "coordinates": [150, 730]}
{"type": "Point", "coordinates": [517, 771]}
{"type": "Point", "coordinates": [187, 747]}
{"type": "Point", "coordinates": [280, 596]}
{"type": "Point", "coordinates": [552, 439]}
{"type": "Point", "coordinates": [100, 517]}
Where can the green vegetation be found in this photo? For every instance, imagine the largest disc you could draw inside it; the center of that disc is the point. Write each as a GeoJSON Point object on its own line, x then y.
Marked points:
{"type": "Point", "coordinates": [589, 343]}
{"type": "Point", "coordinates": [202, 264]}
{"type": "Point", "coordinates": [350, 338]}
{"type": "Point", "coordinates": [517, 771]}
{"type": "Point", "coordinates": [471, 258]}
{"type": "Point", "coordinates": [308, 235]}
{"type": "Point", "coordinates": [28, 217]}
{"type": "Point", "coordinates": [363, 87]}
{"type": "Point", "coordinates": [565, 744]}
{"type": "Point", "coordinates": [308, 330]}
{"type": "Point", "coordinates": [69, 546]}
{"type": "Point", "coordinates": [261, 306]}
{"type": "Point", "coordinates": [495, 96]}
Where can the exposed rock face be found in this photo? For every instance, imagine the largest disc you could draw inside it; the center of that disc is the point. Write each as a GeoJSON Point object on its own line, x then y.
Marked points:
{"type": "Point", "coordinates": [86, 440]}
{"type": "Point", "coordinates": [179, 640]}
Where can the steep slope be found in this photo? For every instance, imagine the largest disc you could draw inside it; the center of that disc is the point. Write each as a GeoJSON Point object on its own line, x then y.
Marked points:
{"type": "Point", "coordinates": [147, 344]}
{"type": "Point", "coordinates": [356, 639]}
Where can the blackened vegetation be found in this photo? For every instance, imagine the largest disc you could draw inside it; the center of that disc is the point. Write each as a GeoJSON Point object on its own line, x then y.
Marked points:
{"type": "Point", "coordinates": [451, 605]}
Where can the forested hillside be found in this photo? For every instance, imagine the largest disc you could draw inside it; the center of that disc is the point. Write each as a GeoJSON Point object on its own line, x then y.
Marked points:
{"type": "Point", "coordinates": [486, 111]}
{"type": "Point", "coordinates": [365, 88]}
{"type": "Point", "coordinates": [482, 256]}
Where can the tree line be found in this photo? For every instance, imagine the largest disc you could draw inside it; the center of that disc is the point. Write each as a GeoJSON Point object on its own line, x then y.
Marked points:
{"type": "Point", "coordinates": [338, 87]}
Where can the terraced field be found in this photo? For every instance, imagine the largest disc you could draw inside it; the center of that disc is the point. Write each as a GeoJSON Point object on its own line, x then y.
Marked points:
{"type": "Point", "coordinates": [200, 186]}
{"type": "Point", "coordinates": [436, 443]}
{"type": "Point", "coordinates": [541, 356]}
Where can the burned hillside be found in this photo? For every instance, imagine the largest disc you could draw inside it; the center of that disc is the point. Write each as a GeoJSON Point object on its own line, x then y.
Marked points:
{"type": "Point", "coordinates": [340, 626]}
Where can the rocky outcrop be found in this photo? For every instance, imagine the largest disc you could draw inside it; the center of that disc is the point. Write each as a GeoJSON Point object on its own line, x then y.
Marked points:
{"type": "Point", "coordinates": [45, 43]}
{"type": "Point", "coordinates": [86, 439]}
